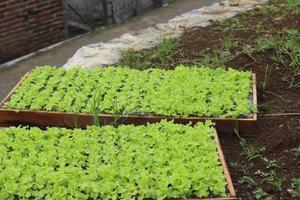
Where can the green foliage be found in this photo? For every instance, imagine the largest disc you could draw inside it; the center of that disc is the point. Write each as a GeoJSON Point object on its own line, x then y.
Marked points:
{"type": "Point", "coordinates": [248, 150]}
{"type": "Point", "coordinates": [160, 54]}
{"type": "Point", "coordinates": [260, 194]}
{"type": "Point", "coordinates": [185, 91]}
{"type": "Point", "coordinates": [296, 187]}
{"type": "Point", "coordinates": [156, 161]}
{"type": "Point", "coordinates": [270, 9]}
{"type": "Point", "coordinates": [294, 5]}
{"type": "Point", "coordinates": [229, 43]}
{"type": "Point", "coordinates": [285, 49]}
{"type": "Point", "coordinates": [248, 181]}
{"type": "Point", "coordinates": [271, 177]}
{"type": "Point", "coordinates": [296, 151]}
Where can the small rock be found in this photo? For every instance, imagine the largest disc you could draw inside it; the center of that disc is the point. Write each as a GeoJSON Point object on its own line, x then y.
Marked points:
{"type": "Point", "coordinates": [234, 3]}
{"type": "Point", "coordinates": [290, 191]}
{"type": "Point", "coordinates": [269, 198]}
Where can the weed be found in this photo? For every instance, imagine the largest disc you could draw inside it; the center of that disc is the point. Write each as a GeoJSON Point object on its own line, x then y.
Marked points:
{"type": "Point", "coordinates": [214, 59]}
{"type": "Point", "coordinates": [241, 168]}
{"type": "Point", "coordinates": [270, 163]}
{"type": "Point", "coordinates": [296, 187]}
{"type": "Point", "coordinates": [266, 104]}
{"type": "Point", "coordinates": [271, 178]}
{"type": "Point", "coordinates": [260, 194]}
{"type": "Point", "coordinates": [165, 49]}
{"type": "Point", "coordinates": [229, 43]}
{"type": "Point", "coordinates": [248, 181]}
{"type": "Point", "coordinates": [235, 23]}
{"type": "Point", "coordinates": [142, 59]}
{"type": "Point", "coordinates": [95, 106]}
{"type": "Point", "coordinates": [285, 49]}
{"type": "Point", "coordinates": [249, 151]}
{"type": "Point", "coordinates": [296, 151]}
{"type": "Point", "coordinates": [266, 43]}
{"type": "Point", "coordinates": [294, 5]}
{"type": "Point", "coordinates": [270, 9]}
{"type": "Point", "coordinates": [133, 58]}
{"type": "Point", "coordinates": [248, 50]}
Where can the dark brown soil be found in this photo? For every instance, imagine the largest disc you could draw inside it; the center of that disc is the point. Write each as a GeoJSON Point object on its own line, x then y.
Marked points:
{"type": "Point", "coordinates": [276, 135]}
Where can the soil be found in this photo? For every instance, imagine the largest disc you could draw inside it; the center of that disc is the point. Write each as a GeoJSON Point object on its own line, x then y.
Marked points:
{"type": "Point", "coordinates": [276, 135]}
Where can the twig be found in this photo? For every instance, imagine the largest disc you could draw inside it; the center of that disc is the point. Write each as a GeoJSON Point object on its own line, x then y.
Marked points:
{"type": "Point", "coordinates": [249, 64]}
{"type": "Point", "coordinates": [283, 99]}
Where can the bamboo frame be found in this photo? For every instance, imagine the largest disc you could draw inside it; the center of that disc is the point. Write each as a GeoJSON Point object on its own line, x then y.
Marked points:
{"type": "Point", "coordinates": [66, 119]}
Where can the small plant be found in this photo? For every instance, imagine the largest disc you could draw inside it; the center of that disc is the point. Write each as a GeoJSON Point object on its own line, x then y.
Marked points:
{"type": "Point", "coordinates": [296, 151]}
{"type": "Point", "coordinates": [241, 168]}
{"type": "Point", "coordinates": [159, 54]}
{"type": "Point", "coordinates": [229, 44]}
{"type": "Point", "coordinates": [270, 9]}
{"type": "Point", "coordinates": [294, 5]}
{"type": "Point", "coordinates": [165, 49]}
{"type": "Point", "coordinates": [266, 43]}
{"type": "Point", "coordinates": [260, 194]}
{"type": "Point", "coordinates": [296, 187]}
{"type": "Point", "coordinates": [271, 178]}
{"type": "Point", "coordinates": [235, 23]}
{"type": "Point", "coordinates": [249, 151]}
{"type": "Point", "coordinates": [95, 107]}
{"type": "Point", "coordinates": [248, 181]}
{"type": "Point", "coordinates": [270, 163]}
{"type": "Point", "coordinates": [133, 58]}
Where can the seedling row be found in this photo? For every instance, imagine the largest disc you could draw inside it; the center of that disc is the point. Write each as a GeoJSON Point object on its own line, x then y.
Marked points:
{"type": "Point", "coordinates": [157, 161]}
{"type": "Point", "coordinates": [185, 91]}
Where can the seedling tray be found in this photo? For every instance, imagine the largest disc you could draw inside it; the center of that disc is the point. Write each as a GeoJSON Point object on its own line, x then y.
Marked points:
{"type": "Point", "coordinates": [231, 194]}
{"type": "Point", "coordinates": [42, 119]}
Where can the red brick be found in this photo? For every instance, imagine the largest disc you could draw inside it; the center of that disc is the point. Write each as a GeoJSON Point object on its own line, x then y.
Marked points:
{"type": "Point", "coordinates": [27, 25]}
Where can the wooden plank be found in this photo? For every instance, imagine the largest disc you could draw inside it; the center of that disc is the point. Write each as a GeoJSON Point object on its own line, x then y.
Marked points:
{"type": "Point", "coordinates": [254, 91]}
{"type": "Point", "coordinates": [224, 165]}
{"type": "Point", "coordinates": [7, 97]}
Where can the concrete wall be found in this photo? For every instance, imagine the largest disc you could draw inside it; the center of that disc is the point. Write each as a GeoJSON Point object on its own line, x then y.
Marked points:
{"type": "Point", "coordinates": [26, 26]}
{"type": "Point", "coordinates": [92, 12]}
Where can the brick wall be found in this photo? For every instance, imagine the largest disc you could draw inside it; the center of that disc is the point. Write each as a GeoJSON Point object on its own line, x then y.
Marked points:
{"type": "Point", "coordinates": [28, 25]}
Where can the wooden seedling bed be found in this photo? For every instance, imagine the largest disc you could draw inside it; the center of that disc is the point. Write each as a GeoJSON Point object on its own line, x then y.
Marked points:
{"type": "Point", "coordinates": [43, 119]}
{"type": "Point", "coordinates": [230, 188]}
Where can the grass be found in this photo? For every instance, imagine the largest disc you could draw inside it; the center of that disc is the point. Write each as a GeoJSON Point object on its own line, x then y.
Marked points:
{"type": "Point", "coordinates": [145, 59]}
{"type": "Point", "coordinates": [296, 187]}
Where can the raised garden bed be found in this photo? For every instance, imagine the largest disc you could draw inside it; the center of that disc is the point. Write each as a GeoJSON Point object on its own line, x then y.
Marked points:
{"type": "Point", "coordinates": [46, 97]}
{"type": "Point", "coordinates": [118, 163]}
